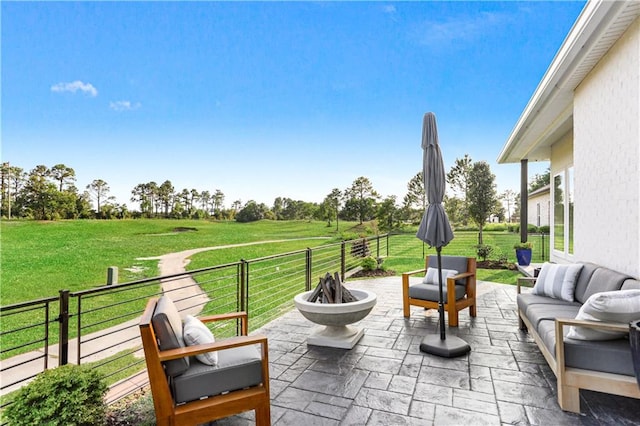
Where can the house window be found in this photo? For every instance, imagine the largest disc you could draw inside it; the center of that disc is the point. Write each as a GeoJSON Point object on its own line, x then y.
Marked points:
{"type": "Point", "coordinates": [569, 230]}
{"type": "Point", "coordinates": [538, 214]}
{"type": "Point", "coordinates": [558, 212]}
{"type": "Point", "coordinates": [563, 211]}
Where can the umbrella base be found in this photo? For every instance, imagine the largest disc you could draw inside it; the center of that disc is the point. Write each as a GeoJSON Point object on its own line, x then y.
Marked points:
{"type": "Point", "coordinates": [451, 347]}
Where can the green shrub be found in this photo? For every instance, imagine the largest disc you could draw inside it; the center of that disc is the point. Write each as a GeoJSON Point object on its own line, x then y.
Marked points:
{"type": "Point", "coordinates": [483, 251]}
{"type": "Point", "coordinates": [369, 263]}
{"type": "Point", "coordinates": [544, 229]}
{"type": "Point", "coordinates": [67, 395]}
{"type": "Point", "coordinates": [495, 227]}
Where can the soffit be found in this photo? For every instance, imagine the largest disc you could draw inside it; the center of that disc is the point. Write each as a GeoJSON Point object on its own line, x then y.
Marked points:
{"type": "Point", "coordinates": [549, 114]}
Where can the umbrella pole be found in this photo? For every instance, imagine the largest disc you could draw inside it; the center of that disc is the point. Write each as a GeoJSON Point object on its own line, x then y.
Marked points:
{"type": "Point", "coordinates": [440, 345]}
{"type": "Point", "coordinates": [443, 334]}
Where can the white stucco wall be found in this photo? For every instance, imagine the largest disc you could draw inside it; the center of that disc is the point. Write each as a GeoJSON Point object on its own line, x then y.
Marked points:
{"type": "Point", "coordinates": [606, 158]}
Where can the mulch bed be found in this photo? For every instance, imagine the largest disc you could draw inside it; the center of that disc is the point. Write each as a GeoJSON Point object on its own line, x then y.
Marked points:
{"type": "Point", "coordinates": [494, 264]}
{"type": "Point", "coordinates": [373, 273]}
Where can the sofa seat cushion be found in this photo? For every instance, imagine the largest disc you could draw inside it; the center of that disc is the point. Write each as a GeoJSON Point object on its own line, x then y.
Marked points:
{"type": "Point", "coordinates": [432, 292]}
{"type": "Point", "coordinates": [537, 313]}
{"type": "Point", "coordinates": [525, 300]}
{"type": "Point", "coordinates": [612, 356]}
{"type": "Point", "coordinates": [237, 368]}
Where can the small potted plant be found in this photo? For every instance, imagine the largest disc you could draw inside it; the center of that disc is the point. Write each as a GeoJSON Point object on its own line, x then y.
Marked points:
{"type": "Point", "coordinates": [523, 253]}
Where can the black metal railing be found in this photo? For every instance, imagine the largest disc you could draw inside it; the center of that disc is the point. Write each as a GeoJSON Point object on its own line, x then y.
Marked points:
{"type": "Point", "coordinates": [99, 326]}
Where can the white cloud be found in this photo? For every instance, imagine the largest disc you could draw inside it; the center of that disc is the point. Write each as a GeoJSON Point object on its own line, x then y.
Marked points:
{"type": "Point", "coordinates": [123, 105]}
{"type": "Point", "coordinates": [456, 30]}
{"type": "Point", "coordinates": [74, 86]}
{"type": "Point", "coordinates": [389, 9]}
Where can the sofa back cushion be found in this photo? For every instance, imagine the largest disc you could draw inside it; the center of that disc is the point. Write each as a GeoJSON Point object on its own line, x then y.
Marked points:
{"type": "Point", "coordinates": [167, 326]}
{"type": "Point", "coordinates": [602, 279]}
{"type": "Point", "coordinates": [631, 284]}
{"type": "Point", "coordinates": [557, 281]}
{"type": "Point", "coordinates": [583, 281]}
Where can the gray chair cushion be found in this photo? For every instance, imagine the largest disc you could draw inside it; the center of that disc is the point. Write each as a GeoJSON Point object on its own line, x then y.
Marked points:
{"type": "Point", "coordinates": [167, 325]}
{"type": "Point", "coordinates": [603, 279]}
{"type": "Point", "coordinates": [237, 368]}
{"type": "Point", "coordinates": [525, 300]}
{"type": "Point", "coordinates": [432, 292]}
{"type": "Point", "coordinates": [458, 263]}
{"type": "Point", "coordinates": [611, 356]}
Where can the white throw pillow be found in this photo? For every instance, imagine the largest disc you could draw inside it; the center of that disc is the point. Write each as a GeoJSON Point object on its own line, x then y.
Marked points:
{"type": "Point", "coordinates": [557, 281]}
{"type": "Point", "coordinates": [620, 306]}
{"type": "Point", "coordinates": [196, 333]}
{"type": "Point", "coordinates": [431, 276]}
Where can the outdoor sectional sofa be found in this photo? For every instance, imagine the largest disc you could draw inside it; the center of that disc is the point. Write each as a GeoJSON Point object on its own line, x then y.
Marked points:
{"type": "Point", "coordinates": [583, 361]}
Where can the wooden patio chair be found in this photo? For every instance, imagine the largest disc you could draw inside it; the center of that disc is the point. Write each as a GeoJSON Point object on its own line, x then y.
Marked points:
{"type": "Point", "coordinates": [188, 392]}
{"type": "Point", "coordinates": [459, 290]}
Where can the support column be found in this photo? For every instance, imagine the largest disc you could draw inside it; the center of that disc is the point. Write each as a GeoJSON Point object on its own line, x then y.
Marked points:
{"type": "Point", "coordinates": [524, 198]}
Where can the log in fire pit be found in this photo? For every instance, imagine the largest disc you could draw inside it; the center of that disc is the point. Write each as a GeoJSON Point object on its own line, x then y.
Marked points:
{"type": "Point", "coordinates": [335, 307]}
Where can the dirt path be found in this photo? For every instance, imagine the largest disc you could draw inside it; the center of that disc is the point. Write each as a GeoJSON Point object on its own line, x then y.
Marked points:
{"type": "Point", "coordinates": [184, 291]}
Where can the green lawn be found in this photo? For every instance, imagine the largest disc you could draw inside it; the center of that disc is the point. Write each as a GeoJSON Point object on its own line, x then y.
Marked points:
{"type": "Point", "coordinates": [40, 258]}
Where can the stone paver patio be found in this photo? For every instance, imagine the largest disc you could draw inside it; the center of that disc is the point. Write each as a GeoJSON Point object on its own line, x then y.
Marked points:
{"type": "Point", "coordinates": [386, 380]}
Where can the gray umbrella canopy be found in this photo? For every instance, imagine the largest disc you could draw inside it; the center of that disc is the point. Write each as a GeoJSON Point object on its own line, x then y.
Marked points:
{"type": "Point", "coordinates": [436, 231]}
{"type": "Point", "coordinates": [434, 228]}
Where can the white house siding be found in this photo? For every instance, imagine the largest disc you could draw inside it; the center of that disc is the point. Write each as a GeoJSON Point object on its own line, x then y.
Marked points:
{"type": "Point", "coordinates": [607, 158]}
{"type": "Point", "coordinates": [543, 200]}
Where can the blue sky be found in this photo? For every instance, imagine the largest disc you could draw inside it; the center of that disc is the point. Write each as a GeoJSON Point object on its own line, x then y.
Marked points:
{"type": "Point", "coordinates": [268, 99]}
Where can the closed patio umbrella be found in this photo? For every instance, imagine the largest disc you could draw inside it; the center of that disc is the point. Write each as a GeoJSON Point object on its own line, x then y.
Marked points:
{"type": "Point", "coordinates": [436, 231]}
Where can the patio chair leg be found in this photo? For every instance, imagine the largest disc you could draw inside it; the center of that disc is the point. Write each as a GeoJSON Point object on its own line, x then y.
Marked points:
{"type": "Point", "coordinates": [263, 415]}
{"type": "Point", "coordinates": [453, 318]}
{"type": "Point", "coordinates": [569, 398]}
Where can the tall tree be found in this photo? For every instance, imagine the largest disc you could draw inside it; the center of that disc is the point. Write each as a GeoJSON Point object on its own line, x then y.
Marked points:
{"type": "Point", "coordinates": [334, 198]}
{"type": "Point", "coordinates": [218, 202]}
{"type": "Point", "coordinates": [165, 193]}
{"type": "Point", "coordinates": [509, 196]}
{"type": "Point", "coordinates": [63, 174]}
{"type": "Point", "coordinates": [482, 194]}
{"type": "Point", "coordinates": [459, 180]}
{"type": "Point", "coordinates": [540, 180]}
{"type": "Point", "coordinates": [415, 201]}
{"type": "Point", "coordinates": [39, 193]}
{"type": "Point", "coordinates": [360, 199]}
{"type": "Point", "coordinates": [388, 214]}
{"type": "Point", "coordinates": [99, 190]}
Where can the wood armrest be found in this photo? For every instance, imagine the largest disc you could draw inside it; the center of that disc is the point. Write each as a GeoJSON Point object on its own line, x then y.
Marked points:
{"type": "Point", "coordinates": [606, 326]}
{"type": "Point", "coordinates": [222, 317]}
{"type": "Point", "coordinates": [525, 282]}
{"type": "Point", "coordinates": [462, 275]}
{"type": "Point", "coordinates": [232, 342]}
{"type": "Point", "coordinates": [424, 271]}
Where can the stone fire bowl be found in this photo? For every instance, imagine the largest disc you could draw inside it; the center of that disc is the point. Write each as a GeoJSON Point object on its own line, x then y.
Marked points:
{"type": "Point", "coordinates": [336, 318]}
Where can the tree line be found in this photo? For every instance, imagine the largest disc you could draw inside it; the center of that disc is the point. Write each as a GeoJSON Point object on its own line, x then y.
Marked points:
{"type": "Point", "coordinates": [50, 193]}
